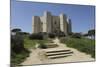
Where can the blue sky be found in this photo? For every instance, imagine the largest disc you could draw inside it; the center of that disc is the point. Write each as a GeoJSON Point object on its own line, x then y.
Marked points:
{"type": "Point", "coordinates": [82, 17]}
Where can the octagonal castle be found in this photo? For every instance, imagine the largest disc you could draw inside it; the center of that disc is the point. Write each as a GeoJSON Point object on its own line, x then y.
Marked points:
{"type": "Point", "coordinates": [49, 23]}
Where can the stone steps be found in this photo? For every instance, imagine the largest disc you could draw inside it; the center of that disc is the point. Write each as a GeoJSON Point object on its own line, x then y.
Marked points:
{"type": "Point", "coordinates": [50, 54]}
{"type": "Point", "coordinates": [53, 51]}
{"type": "Point", "coordinates": [51, 45]}
{"type": "Point", "coordinates": [58, 54]}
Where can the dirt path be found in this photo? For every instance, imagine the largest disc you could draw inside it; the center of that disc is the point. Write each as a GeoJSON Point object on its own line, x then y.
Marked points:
{"type": "Point", "coordinates": [77, 56]}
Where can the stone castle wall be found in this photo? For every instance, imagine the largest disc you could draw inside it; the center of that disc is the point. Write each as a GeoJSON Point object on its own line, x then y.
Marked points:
{"type": "Point", "coordinates": [51, 24]}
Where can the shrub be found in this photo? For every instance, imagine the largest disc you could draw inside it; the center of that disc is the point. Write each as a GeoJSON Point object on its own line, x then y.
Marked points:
{"type": "Point", "coordinates": [23, 33]}
{"type": "Point", "coordinates": [71, 33]}
{"type": "Point", "coordinates": [18, 52]}
{"type": "Point", "coordinates": [52, 35]}
{"type": "Point", "coordinates": [38, 36]}
{"type": "Point", "coordinates": [76, 35]}
{"type": "Point", "coordinates": [43, 46]}
{"type": "Point", "coordinates": [17, 43]}
{"type": "Point", "coordinates": [61, 34]}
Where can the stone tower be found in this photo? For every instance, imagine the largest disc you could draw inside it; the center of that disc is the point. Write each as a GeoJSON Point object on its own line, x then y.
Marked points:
{"type": "Point", "coordinates": [49, 23]}
{"type": "Point", "coordinates": [36, 24]}
{"type": "Point", "coordinates": [69, 26]}
{"type": "Point", "coordinates": [63, 23]}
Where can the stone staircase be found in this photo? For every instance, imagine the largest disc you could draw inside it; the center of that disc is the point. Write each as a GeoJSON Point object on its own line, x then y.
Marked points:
{"type": "Point", "coordinates": [51, 45]}
{"type": "Point", "coordinates": [58, 53]}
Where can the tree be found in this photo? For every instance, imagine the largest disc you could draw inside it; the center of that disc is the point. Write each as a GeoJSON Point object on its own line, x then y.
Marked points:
{"type": "Point", "coordinates": [16, 30]}
{"type": "Point", "coordinates": [18, 51]}
{"type": "Point", "coordinates": [17, 43]}
{"type": "Point", "coordinates": [91, 33]}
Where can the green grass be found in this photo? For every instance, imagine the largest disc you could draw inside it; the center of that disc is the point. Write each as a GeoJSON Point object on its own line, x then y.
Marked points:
{"type": "Point", "coordinates": [28, 43]}
{"type": "Point", "coordinates": [82, 44]}
{"type": "Point", "coordinates": [16, 59]}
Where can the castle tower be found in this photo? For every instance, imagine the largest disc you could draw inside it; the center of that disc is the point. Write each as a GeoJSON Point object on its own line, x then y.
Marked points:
{"type": "Point", "coordinates": [63, 23]}
{"type": "Point", "coordinates": [36, 24]}
{"type": "Point", "coordinates": [69, 26]}
{"type": "Point", "coordinates": [47, 27]}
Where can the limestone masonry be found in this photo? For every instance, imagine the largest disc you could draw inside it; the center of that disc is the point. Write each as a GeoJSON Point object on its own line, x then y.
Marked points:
{"type": "Point", "coordinates": [51, 24]}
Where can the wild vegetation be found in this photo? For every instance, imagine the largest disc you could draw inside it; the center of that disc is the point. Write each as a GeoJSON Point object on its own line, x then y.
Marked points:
{"type": "Point", "coordinates": [21, 42]}
{"type": "Point", "coordinates": [18, 52]}
{"type": "Point", "coordinates": [31, 42]}
{"type": "Point", "coordinates": [38, 36]}
{"type": "Point", "coordinates": [81, 44]}
{"type": "Point", "coordinates": [91, 33]}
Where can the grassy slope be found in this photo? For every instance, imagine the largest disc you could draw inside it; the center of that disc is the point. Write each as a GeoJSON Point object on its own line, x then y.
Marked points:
{"type": "Point", "coordinates": [18, 58]}
{"type": "Point", "coordinates": [83, 44]}
{"type": "Point", "coordinates": [28, 43]}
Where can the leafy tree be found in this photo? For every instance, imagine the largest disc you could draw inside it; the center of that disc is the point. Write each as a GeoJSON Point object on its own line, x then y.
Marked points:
{"type": "Point", "coordinates": [91, 32]}
{"type": "Point", "coordinates": [18, 52]}
{"type": "Point", "coordinates": [16, 30]}
{"type": "Point", "coordinates": [17, 43]}
{"type": "Point", "coordinates": [85, 34]}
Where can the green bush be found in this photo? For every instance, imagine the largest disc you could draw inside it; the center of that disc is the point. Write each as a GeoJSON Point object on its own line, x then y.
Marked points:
{"type": "Point", "coordinates": [76, 35]}
{"type": "Point", "coordinates": [17, 43]}
{"type": "Point", "coordinates": [71, 33]}
{"type": "Point", "coordinates": [52, 35]}
{"type": "Point", "coordinates": [38, 36]}
{"type": "Point", "coordinates": [29, 43]}
{"type": "Point", "coordinates": [43, 46]}
{"type": "Point", "coordinates": [19, 57]}
{"type": "Point", "coordinates": [61, 34]}
{"type": "Point", "coordinates": [18, 52]}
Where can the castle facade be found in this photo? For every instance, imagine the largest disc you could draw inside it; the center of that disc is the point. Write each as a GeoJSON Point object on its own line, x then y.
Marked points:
{"type": "Point", "coordinates": [49, 23]}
